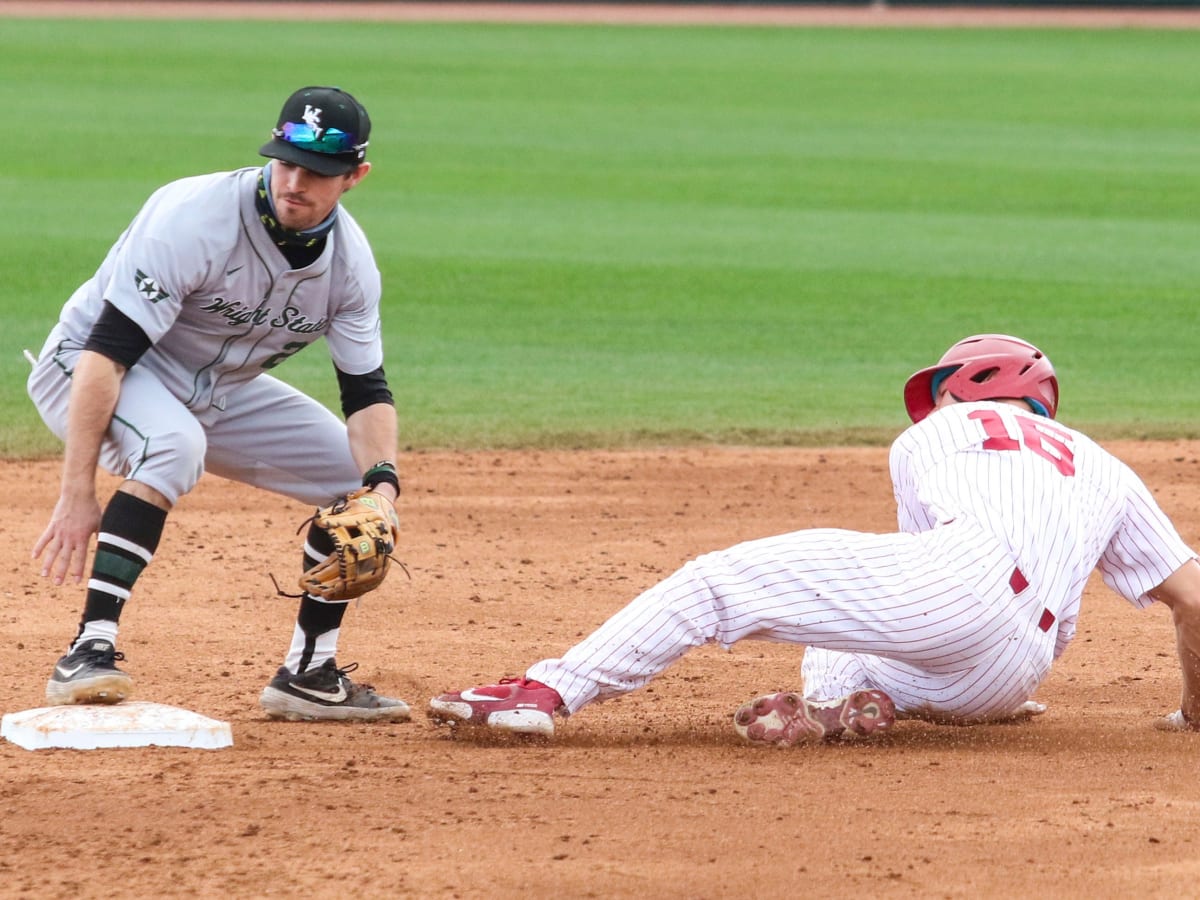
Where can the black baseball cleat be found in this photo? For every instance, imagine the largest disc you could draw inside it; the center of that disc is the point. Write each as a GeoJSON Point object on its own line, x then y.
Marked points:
{"type": "Point", "coordinates": [327, 693]}
{"type": "Point", "coordinates": [88, 674]}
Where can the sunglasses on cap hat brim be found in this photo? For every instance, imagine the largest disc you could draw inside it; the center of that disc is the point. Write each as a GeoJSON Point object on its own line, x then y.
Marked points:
{"type": "Point", "coordinates": [326, 151]}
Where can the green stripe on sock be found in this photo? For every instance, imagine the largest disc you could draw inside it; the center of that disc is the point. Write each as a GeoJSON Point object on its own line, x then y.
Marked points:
{"type": "Point", "coordinates": [118, 568]}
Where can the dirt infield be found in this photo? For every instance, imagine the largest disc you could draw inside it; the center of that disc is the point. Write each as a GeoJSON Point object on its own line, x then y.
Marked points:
{"type": "Point", "coordinates": [514, 556]}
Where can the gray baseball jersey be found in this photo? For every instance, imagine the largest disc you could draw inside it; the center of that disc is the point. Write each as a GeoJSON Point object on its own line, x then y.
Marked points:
{"type": "Point", "coordinates": [221, 305]}
{"type": "Point", "coordinates": [197, 271]}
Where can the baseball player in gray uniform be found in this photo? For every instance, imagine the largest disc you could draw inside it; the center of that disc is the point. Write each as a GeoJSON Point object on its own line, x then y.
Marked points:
{"type": "Point", "coordinates": [956, 618]}
{"type": "Point", "coordinates": [157, 370]}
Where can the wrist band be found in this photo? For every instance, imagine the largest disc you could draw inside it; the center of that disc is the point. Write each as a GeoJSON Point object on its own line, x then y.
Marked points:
{"type": "Point", "coordinates": [382, 472]}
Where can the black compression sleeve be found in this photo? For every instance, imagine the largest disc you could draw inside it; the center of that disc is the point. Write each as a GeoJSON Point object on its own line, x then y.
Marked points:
{"type": "Point", "coordinates": [118, 337]}
{"type": "Point", "coordinates": [361, 391]}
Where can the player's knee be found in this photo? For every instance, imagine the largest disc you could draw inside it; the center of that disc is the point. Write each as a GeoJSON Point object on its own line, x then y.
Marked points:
{"type": "Point", "coordinates": [171, 461]}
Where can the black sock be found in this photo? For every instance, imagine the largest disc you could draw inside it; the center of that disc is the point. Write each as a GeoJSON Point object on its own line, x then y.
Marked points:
{"type": "Point", "coordinates": [316, 616]}
{"type": "Point", "coordinates": [130, 529]}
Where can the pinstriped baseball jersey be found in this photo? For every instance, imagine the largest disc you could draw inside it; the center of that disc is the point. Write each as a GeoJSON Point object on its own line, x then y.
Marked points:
{"type": "Point", "coordinates": [1003, 515]}
{"type": "Point", "coordinates": [1060, 505]}
{"type": "Point", "coordinates": [198, 273]}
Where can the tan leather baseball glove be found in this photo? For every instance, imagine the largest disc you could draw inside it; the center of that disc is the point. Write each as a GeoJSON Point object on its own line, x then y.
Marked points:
{"type": "Point", "coordinates": [364, 528]}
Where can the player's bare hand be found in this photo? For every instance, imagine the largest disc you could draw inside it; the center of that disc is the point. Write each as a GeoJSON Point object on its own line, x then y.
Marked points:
{"type": "Point", "coordinates": [63, 546]}
{"type": "Point", "coordinates": [1029, 709]}
{"type": "Point", "coordinates": [1176, 722]}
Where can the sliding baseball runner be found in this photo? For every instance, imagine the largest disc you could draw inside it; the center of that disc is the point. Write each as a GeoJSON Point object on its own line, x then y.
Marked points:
{"type": "Point", "coordinates": [957, 617]}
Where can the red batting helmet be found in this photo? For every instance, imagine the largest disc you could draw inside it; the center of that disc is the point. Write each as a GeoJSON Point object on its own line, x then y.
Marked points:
{"type": "Point", "coordinates": [986, 367]}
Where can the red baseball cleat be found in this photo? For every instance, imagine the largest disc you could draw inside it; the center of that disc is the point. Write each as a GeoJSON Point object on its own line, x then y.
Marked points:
{"type": "Point", "coordinates": [515, 705]}
{"type": "Point", "coordinates": [786, 718]}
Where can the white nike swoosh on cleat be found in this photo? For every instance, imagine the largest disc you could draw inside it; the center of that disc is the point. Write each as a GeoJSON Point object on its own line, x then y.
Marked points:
{"type": "Point", "coordinates": [328, 696]}
{"type": "Point", "coordinates": [67, 673]}
{"type": "Point", "coordinates": [470, 694]}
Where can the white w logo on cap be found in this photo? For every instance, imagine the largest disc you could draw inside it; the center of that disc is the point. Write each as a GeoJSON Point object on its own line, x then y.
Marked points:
{"type": "Point", "coordinates": [312, 118]}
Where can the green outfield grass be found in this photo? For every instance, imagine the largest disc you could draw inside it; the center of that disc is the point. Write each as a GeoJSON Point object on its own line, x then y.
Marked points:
{"type": "Point", "coordinates": [602, 236]}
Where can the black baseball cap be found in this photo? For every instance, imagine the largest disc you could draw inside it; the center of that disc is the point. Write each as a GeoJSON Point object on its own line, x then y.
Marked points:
{"type": "Point", "coordinates": [320, 128]}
